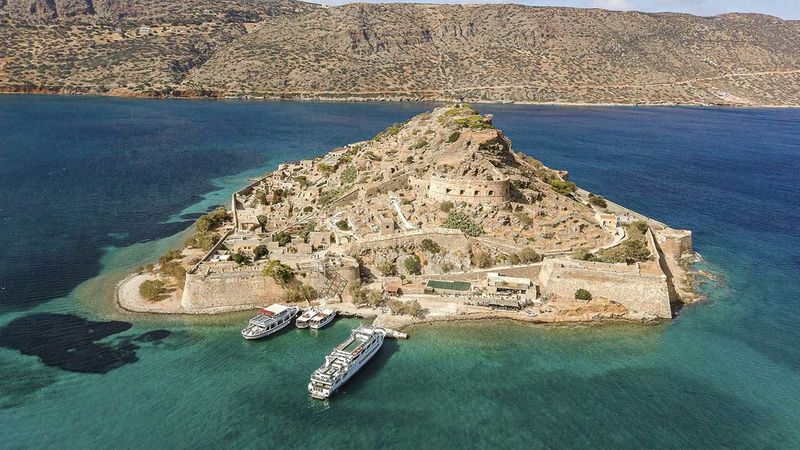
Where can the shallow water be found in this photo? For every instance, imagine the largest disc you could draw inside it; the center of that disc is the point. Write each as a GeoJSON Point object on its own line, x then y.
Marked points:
{"type": "Point", "coordinates": [93, 187]}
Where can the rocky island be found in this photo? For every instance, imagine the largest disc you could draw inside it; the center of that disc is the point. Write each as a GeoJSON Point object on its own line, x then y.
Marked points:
{"type": "Point", "coordinates": [434, 219]}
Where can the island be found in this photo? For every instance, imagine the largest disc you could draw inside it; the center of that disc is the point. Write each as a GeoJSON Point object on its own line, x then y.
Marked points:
{"type": "Point", "coordinates": [436, 219]}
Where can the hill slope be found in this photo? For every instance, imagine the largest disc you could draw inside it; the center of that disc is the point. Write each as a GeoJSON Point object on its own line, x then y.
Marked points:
{"type": "Point", "coordinates": [474, 52]}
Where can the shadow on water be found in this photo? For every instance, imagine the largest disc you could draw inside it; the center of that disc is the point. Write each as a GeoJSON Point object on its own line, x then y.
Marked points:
{"type": "Point", "coordinates": [73, 343]}
{"type": "Point", "coordinates": [372, 368]}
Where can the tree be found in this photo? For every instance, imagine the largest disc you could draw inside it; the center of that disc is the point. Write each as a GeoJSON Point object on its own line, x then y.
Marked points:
{"type": "Point", "coordinates": [529, 255]}
{"type": "Point", "coordinates": [412, 308]}
{"type": "Point", "coordinates": [175, 270]}
{"type": "Point", "coordinates": [413, 265]}
{"type": "Point", "coordinates": [375, 299]}
{"type": "Point", "coordinates": [203, 239]}
{"type": "Point", "coordinates": [395, 306]}
{"type": "Point", "coordinates": [481, 259]}
{"type": "Point", "coordinates": [260, 251]}
{"type": "Point", "coordinates": [262, 222]}
{"type": "Point", "coordinates": [151, 289]}
{"type": "Point", "coordinates": [239, 258]}
{"type": "Point", "coordinates": [301, 293]}
{"type": "Point", "coordinates": [430, 246]}
{"type": "Point", "coordinates": [261, 196]}
{"type": "Point", "coordinates": [281, 273]}
{"type": "Point", "coordinates": [282, 238]}
{"type": "Point", "coordinates": [445, 206]}
{"type": "Point", "coordinates": [583, 294]}
{"type": "Point", "coordinates": [387, 268]}
{"type": "Point", "coordinates": [343, 224]}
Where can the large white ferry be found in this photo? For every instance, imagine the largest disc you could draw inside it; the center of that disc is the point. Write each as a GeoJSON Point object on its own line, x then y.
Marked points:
{"type": "Point", "coordinates": [345, 360]}
{"type": "Point", "coordinates": [269, 320]}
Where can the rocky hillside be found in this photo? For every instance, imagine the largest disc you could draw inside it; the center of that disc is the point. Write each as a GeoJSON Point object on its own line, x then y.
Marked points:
{"type": "Point", "coordinates": [286, 49]}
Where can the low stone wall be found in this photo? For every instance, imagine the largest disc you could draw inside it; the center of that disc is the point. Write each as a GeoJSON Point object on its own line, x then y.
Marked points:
{"type": "Point", "coordinates": [452, 240]}
{"type": "Point", "coordinates": [393, 184]}
{"type": "Point", "coordinates": [642, 295]}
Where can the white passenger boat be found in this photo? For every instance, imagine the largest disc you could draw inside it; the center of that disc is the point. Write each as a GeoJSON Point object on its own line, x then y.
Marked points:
{"type": "Point", "coordinates": [323, 317]}
{"type": "Point", "coordinates": [269, 320]}
{"type": "Point", "coordinates": [345, 360]}
{"type": "Point", "coordinates": [303, 320]}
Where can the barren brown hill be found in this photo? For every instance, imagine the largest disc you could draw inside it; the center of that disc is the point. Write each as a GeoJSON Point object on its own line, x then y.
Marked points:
{"type": "Point", "coordinates": [415, 51]}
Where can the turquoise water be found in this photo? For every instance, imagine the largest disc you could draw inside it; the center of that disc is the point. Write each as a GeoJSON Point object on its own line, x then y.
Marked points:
{"type": "Point", "coordinates": [109, 184]}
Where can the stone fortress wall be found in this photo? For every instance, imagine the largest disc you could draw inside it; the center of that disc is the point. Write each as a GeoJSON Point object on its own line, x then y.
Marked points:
{"type": "Point", "coordinates": [643, 295]}
{"type": "Point", "coordinates": [473, 191]}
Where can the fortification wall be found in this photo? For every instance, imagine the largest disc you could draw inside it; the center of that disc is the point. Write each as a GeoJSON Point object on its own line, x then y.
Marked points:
{"type": "Point", "coordinates": [225, 290]}
{"type": "Point", "coordinates": [674, 243]}
{"type": "Point", "coordinates": [464, 190]}
{"type": "Point", "coordinates": [643, 295]}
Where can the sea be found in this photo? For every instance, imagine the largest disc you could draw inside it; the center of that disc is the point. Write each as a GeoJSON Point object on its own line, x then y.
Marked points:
{"type": "Point", "coordinates": [92, 188]}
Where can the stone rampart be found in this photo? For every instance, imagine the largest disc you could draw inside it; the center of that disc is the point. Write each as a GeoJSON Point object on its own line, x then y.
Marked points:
{"type": "Point", "coordinates": [231, 289]}
{"type": "Point", "coordinates": [644, 296]}
{"type": "Point", "coordinates": [464, 189]}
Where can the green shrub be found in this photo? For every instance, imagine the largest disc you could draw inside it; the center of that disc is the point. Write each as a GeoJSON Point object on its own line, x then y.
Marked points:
{"type": "Point", "coordinates": [349, 175]}
{"type": "Point", "coordinates": [476, 122]}
{"type": "Point", "coordinates": [283, 238]}
{"type": "Point", "coordinates": [326, 169]}
{"type": "Point", "coordinates": [328, 196]}
{"type": "Point", "coordinates": [413, 265]}
{"type": "Point", "coordinates": [481, 259]}
{"type": "Point", "coordinates": [169, 256]}
{"type": "Point", "coordinates": [174, 270]}
{"type": "Point", "coordinates": [460, 221]}
{"type": "Point", "coordinates": [387, 269]}
{"type": "Point", "coordinates": [583, 294]}
{"type": "Point", "coordinates": [445, 206]}
{"type": "Point", "coordinates": [453, 137]}
{"type": "Point", "coordinates": [151, 290]}
{"type": "Point", "coordinates": [524, 218]}
{"type": "Point", "coordinates": [429, 245]}
{"type": "Point", "coordinates": [529, 255]}
{"type": "Point", "coordinates": [562, 187]}
{"type": "Point", "coordinates": [260, 251]}
{"type": "Point", "coordinates": [281, 273]}
{"type": "Point", "coordinates": [419, 144]}
{"type": "Point", "coordinates": [343, 224]}
{"type": "Point", "coordinates": [596, 200]}
{"type": "Point", "coordinates": [211, 220]}
{"type": "Point", "coordinates": [203, 239]}
{"type": "Point", "coordinates": [239, 258]}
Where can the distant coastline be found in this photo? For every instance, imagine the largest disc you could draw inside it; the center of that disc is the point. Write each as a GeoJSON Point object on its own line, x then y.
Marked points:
{"type": "Point", "coordinates": [5, 90]}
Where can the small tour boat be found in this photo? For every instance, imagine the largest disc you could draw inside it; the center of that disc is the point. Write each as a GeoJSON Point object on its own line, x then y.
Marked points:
{"type": "Point", "coordinates": [269, 320]}
{"type": "Point", "coordinates": [323, 317]}
{"type": "Point", "coordinates": [303, 320]}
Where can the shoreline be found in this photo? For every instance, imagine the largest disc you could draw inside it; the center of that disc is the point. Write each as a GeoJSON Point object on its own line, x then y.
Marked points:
{"type": "Point", "coordinates": [378, 99]}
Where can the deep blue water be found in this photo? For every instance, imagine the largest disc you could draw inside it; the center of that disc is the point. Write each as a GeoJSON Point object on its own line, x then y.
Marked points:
{"type": "Point", "coordinates": [91, 187]}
